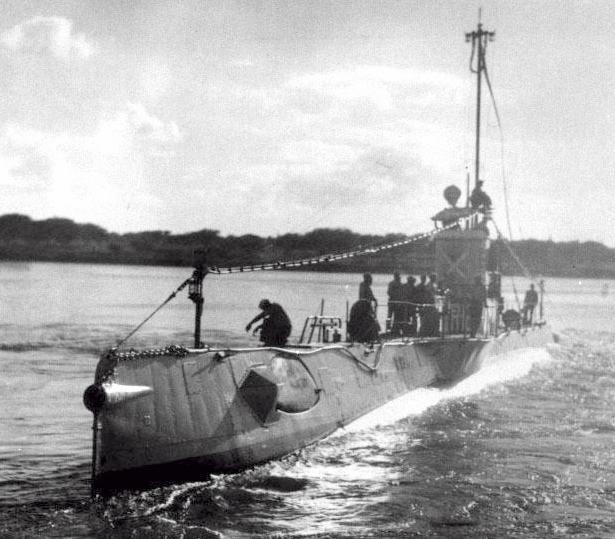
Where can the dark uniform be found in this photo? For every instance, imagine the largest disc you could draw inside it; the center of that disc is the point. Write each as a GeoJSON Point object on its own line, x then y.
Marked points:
{"type": "Point", "coordinates": [396, 305]}
{"type": "Point", "coordinates": [365, 291]}
{"type": "Point", "coordinates": [362, 325]}
{"type": "Point", "coordinates": [423, 295]}
{"type": "Point", "coordinates": [529, 304]}
{"type": "Point", "coordinates": [427, 310]}
{"type": "Point", "coordinates": [479, 199]}
{"type": "Point", "coordinates": [410, 308]}
{"type": "Point", "coordinates": [477, 302]}
{"type": "Point", "coordinates": [276, 326]}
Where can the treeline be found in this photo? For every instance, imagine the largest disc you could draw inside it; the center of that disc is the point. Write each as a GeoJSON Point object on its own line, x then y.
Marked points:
{"type": "Point", "coordinates": [559, 259]}
{"type": "Point", "coordinates": [63, 240]}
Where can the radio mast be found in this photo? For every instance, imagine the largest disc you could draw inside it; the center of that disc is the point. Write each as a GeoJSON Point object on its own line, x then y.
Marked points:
{"type": "Point", "coordinates": [479, 39]}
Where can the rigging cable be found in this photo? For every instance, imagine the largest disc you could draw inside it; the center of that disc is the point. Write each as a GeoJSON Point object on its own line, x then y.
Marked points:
{"type": "Point", "coordinates": [524, 269]}
{"type": "Point", "coordinates": [505, 189]}
{"type": "Point", "coordinates": [332, 257]}
{"type": "Point", "coordinates": [171, 296]}
{"type": "Point", "coordinates": [302, 262]}
{"type": "Point", "coordinates": [501, 131]}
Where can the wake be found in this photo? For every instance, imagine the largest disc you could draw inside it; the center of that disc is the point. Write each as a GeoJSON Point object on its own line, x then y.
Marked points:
{"type": "Point", "coordinates": [507, 367]}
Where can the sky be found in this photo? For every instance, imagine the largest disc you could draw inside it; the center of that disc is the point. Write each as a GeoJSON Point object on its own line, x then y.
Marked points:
{"type": "Point", "coordinates": [268, 117]}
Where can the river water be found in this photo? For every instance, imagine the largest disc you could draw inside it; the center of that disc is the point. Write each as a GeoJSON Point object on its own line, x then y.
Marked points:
{"type": "Point", "coordinates": [522, 449]}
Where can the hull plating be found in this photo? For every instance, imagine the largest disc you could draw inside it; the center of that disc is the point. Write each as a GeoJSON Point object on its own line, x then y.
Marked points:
{"type": "Point", "coordinates": [225, 410]}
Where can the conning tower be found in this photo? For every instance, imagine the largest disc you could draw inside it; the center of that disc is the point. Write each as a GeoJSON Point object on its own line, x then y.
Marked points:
{"type": "Point", "coordinates": [461, 259]}
{"type": "Point", "coordinates": [461, 249]}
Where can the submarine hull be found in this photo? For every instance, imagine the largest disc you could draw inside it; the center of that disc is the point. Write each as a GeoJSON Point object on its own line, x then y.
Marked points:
{"type": "Point", "coordinates": [177, 414]}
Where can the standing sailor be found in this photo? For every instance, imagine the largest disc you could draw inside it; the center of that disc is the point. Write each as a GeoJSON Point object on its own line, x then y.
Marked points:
{"type": "Point", "coordinates": [396, 305]}
{"type": "Point", "coordinates": [362, 323]}
{"type": "Point", "coordinates": [478, 300]}
{"type": "Point", "coordinates": [529, 304]}
{"type": "Point", "coordinates": [410, 307]}
{"type": "Point", "coordinates": [479, 199]}
{"type": "Point", "coordinates": [365, 291]}
{"type": "Point", "coordinates": [422, 298]}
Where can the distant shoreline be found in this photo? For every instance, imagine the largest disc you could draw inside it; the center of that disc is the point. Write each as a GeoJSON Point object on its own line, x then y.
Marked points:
{"type": "Point", "coordinates": [322, 268]}
{"type": "Point", "coordinates": [62, 240]}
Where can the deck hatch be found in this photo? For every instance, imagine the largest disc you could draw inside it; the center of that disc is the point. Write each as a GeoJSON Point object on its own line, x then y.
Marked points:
{"type": "Point", "coordinates": [260, 391]}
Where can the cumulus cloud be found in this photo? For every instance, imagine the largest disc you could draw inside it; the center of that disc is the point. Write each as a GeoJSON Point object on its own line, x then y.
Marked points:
{"type": "Point", "coordinates": [51, 35]}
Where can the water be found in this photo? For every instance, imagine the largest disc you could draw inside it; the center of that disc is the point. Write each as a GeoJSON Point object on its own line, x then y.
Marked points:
{"type": "Point", "coordinates": [522, 449]}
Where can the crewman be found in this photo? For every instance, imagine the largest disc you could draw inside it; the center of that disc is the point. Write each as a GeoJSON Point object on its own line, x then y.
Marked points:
{"type": "Point", "coordinates": [410, 310]}
{"type": "Point", "coordinates": [362, 324]}
{"type": "Point", "coordinates": [529, 304]}
{"type": "Point", "coordinates": [479, 199]}
{"type": "Point", "coordinates": [422, 298]}
{"type": "Point", "coordinates": [433, 284]}
{"type": "Point", "coordinates": [276, 326]}
{"type": "Point", "coordinates": [478, 300]}
{"type": "Point", "coordinates": [396, 306]}
{"type": "Point", "coordinates": [511, 320]}
{"type": "Point", "coordinates": [427, 311]}
{"type": "Point", "coordinates": [365, 291]}
{"type": "Point", "coordinates": [432, 314]}
{"type": "Point", "coordinates": [420, 289]}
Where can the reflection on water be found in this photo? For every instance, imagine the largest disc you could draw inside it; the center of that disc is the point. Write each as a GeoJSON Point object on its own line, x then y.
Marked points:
{"type": "Point", "coordinates": [522, 449]}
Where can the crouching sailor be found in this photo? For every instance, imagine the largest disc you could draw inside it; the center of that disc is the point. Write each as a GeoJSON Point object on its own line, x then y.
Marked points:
{"type": "Point", "coordinates": [276, 327]}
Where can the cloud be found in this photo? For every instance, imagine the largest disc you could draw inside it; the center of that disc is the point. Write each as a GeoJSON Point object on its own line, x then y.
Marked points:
{"type": "Point", "coordinates": [147, 126]}
{"type": "Point", "coordinates": [363, 134]}
{"type": "Point", "coordinates": [126, 130]}
{"type": "Point", "coordinates": [47, 35]}
{"type": "Point", "coordinates": [379, 106]}
{"type": "Point", "coordinates": [370, 189]}
{"type": "Point", "coordinates": [26, 155]}
{"type": "Point", "coordinates": [380, 85]}
{"type": "Point", "coordinates": [134, 125]}
{"type": "Point", "coordinates": [328, 143]}
{"type": "Point", "coordinates": [316, 147]}
{"type": "Point", "coordinates": [374, 175]}
{"type": "Point", "coordinates": [87, 176]}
